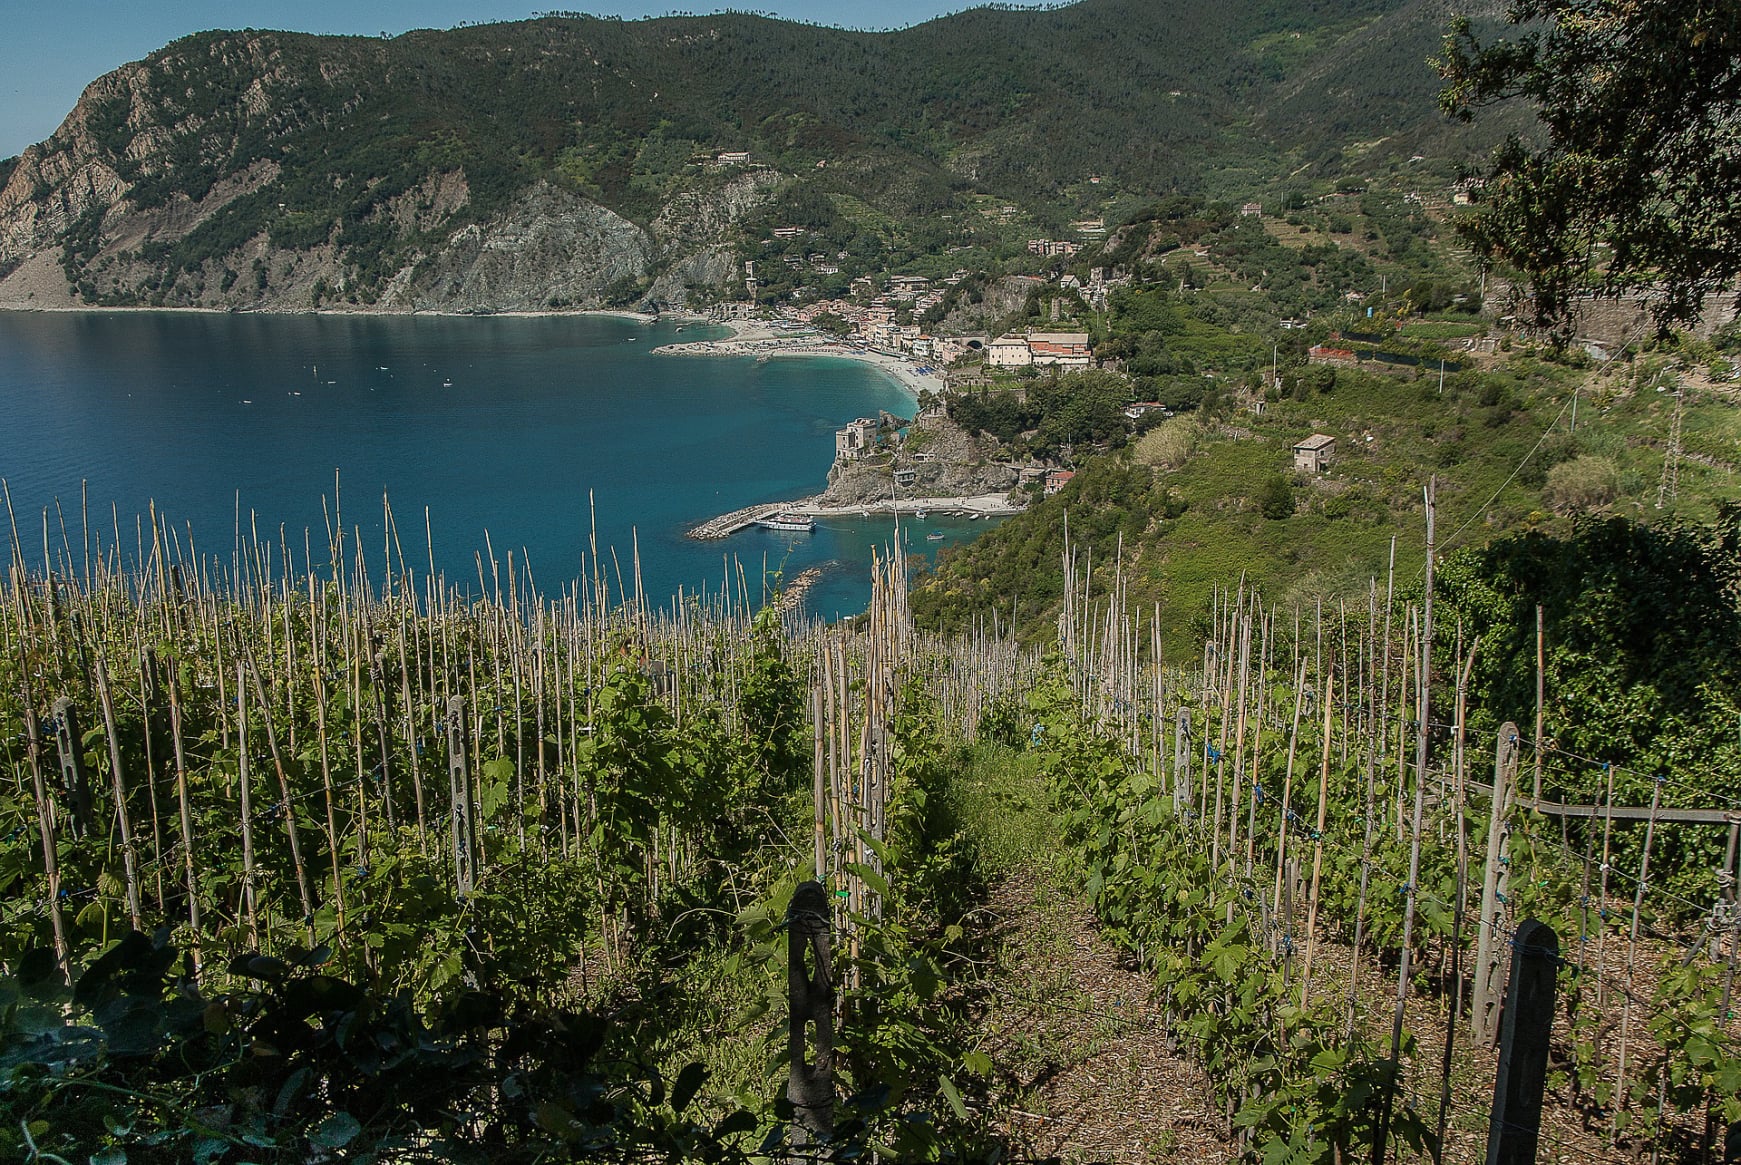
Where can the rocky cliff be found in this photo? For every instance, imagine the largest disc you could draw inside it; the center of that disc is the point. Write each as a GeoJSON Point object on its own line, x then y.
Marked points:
{"type": "Point", "coordinates": [152, 194]}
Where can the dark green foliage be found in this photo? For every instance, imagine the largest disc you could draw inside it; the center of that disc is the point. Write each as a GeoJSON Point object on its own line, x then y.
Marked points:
{"type": "Point", "coordinates": [1276, 499]}
{"type": "Point", "coordinates": [1019, 565]}
{"type": "Point", "coordinates": [1643, 657]}
{"type": "Point", "coordinates": [1635, 182]}
{"type": "Point", "coordinates": [1078, 410]}
{"type": "Point", "coordinates": [295, 1060]}
{"type": "Point", "coordinates": [1643, 635]}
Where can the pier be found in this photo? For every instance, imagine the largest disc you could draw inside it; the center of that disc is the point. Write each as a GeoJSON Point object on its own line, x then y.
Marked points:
{"type": "Point", "coordinates": [726, 525]}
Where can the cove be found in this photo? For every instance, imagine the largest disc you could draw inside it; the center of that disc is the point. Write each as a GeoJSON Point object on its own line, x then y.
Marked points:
{"type": "Point", "coordinates": [527, 428]}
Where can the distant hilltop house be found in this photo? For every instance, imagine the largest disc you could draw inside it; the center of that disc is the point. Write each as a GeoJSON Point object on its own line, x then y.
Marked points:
{"type": "Point", "coordinates": [1336, 357]}
{"type": "Point", "coordinates": [1094, 228]}
{"type": "Point", "coordinates": [856, 440]}
{"type": "Point", "coordinates": [1051, 247]}
{"type": "Point", "coordinates": [1251, 210]}
{"type": "Point", "coordinates": [1058, 479]}
{"type": "Point", "coordinates": [732, 158]}
{"type": "Point", "coordinates": [1313, 454]}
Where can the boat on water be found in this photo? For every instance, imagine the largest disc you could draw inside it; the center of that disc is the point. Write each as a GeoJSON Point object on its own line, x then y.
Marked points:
{"type": "Point", "coordinates": [934, 536]}
{"type": "Point", "coordinates": [800, 523]}
{"type": "Point", "coordinates": [920, 514]}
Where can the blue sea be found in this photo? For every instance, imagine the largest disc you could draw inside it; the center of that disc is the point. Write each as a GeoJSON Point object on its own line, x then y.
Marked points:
{"type": "Point", "coordinates": [527, 429]}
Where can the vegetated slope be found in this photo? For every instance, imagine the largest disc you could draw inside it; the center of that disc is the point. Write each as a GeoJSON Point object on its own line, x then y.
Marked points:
{"type": "Point", "coordinates": [555, 161]}
{"type": "Point", "coordinates": [1214, 497]}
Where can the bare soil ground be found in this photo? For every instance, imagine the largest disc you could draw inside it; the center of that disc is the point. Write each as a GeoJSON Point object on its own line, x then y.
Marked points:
{"type": "Point", "coordinates": [1082, 1044]}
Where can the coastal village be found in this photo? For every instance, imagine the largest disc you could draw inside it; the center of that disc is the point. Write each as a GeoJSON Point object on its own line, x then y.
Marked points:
{"type": "Point", "coordinates": [1048, 319]}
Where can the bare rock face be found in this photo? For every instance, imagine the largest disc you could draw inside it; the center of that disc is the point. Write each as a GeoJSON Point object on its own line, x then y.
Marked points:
{"type": "Point", "coordinates": [551, 248]}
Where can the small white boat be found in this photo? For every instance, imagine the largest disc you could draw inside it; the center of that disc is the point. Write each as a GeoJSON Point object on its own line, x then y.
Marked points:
{"type": "Point", "coordinates": [798, 523]}
{"type": "Point", "coordinates": [920, 514]}
{"type": "Point", "coordinates": [934, 536]}
{"type": "Point", "coordinates": [447, 384]}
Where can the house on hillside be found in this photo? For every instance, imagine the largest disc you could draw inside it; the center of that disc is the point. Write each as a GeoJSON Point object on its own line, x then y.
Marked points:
{"type": "Point", "coordinates": [1313, 454]}
{"type": "Point", "coordinates": [1058, 479]}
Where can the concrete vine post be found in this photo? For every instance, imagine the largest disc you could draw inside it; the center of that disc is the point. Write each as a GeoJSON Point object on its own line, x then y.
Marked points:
{"type": "Point", "coordinates": [1495, 880]}
{"type": "Point", "coordinates": [810, 1035]}
{"type": "Point", "coordinates": [1182, 800]}
{"type": "Point", "coordinates": [1515, 1124]}
{"type": "Point", "coordinates": [73, 778]}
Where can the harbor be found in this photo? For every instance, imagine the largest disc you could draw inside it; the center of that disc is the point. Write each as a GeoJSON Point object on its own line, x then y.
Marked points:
{"type": "Point", "coordinates": [973, 507]}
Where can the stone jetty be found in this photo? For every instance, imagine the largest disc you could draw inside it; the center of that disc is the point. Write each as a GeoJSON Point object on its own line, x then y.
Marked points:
{"type": "Point", "coordinates": [726, 525]}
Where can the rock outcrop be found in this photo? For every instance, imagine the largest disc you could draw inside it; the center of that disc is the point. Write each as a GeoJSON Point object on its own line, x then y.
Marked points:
{"type": "Point", "coordinates": [944, 461]}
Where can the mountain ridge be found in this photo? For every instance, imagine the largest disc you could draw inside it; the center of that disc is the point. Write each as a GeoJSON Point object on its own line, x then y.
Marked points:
{"type": "Point", "coordinates": [288, 170]}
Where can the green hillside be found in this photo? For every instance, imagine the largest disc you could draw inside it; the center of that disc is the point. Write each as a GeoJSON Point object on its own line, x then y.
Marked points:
{"type": "Point", "coordinates": [308, 141]}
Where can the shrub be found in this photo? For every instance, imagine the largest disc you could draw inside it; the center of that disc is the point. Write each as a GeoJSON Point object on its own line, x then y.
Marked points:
{"type": "Point", "coordinates": [1276, 498]}
{"type": "Point", "coordinates": [1581, 484]}
{"type": "Point", "coordinates": [1169, 444]}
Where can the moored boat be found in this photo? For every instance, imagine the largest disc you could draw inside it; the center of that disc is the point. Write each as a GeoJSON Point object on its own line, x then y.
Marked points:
{"type": "Point", "coordinates": [801, 523]}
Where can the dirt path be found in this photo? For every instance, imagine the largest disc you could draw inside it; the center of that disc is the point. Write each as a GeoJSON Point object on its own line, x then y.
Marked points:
{"type": "Point", "coordinates": [1081, 1043]}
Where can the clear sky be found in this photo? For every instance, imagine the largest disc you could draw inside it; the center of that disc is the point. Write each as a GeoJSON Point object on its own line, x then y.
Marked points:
{"type": "Point", "coordinates": [51, 49]}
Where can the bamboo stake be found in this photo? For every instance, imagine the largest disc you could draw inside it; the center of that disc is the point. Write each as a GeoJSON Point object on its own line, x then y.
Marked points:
{"type": "Point", "coordinates": [129, 858]}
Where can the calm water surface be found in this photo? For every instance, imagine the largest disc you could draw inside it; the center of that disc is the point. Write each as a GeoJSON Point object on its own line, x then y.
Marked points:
{"type": "Point", "coordinates": [500, 425]}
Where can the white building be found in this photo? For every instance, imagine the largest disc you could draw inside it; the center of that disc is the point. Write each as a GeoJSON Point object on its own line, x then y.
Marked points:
{"type": "Point", "coordinates": [1008, 352]}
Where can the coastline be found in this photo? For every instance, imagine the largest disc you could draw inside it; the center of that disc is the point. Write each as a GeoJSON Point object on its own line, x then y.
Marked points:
{"type": "Point", "coordinates": [640, 317]}
{"type": "Point", "coordinates": [755, 338]}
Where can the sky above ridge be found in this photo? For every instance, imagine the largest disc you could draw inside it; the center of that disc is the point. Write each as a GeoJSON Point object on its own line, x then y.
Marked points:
{"type": "Point", "coordinates": [52, 49]}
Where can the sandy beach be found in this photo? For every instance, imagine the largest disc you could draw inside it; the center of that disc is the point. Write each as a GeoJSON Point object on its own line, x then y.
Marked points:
{"type": "Point", "coordinates": [756, 338]}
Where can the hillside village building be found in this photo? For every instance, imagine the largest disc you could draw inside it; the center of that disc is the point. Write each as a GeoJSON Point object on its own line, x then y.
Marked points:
{"type": "Point", "coordinates": [1053, 349]}
{"type": "Point", "coordinates": [1059, 349]}
{"type": "Point", "coordinates": [1313, 454]}
{"type": "Point", "coordinates": [1336, 357]}
{"type": "Point", "coordinates": [1008, 352]}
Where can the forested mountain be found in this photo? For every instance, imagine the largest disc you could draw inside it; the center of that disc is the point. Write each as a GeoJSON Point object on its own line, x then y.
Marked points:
{"type": "Point", "coordinates": [563, 159]}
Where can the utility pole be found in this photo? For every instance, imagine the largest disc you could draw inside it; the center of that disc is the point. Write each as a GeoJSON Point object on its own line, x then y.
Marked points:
{"type": "Point", "coordinates": [1670, 485]}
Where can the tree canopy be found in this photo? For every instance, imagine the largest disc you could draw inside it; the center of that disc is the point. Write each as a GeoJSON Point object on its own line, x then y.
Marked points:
{"type": "Point", "coordinates": [1633, 188]}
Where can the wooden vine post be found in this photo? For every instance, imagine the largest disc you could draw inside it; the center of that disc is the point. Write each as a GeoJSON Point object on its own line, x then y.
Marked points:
{"type": "Point", "coordinates": [459, 791]}
{"type": "Point", "coordinates": [810, 1036]}
{"type": "Point", "coordinates": [45, 826]}
{"type": "Point", "coordinates": [118, 783]}
{"type": "Point", "coordinates": [1515, 1124]}
{"type": "Point", "coordinates": [1495, 881]}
